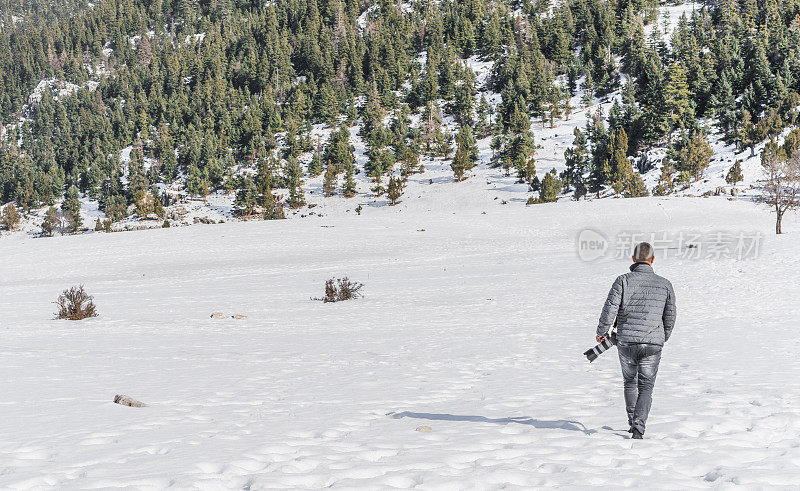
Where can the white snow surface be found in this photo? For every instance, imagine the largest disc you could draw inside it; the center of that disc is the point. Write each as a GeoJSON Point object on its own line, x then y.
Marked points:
{"type": "Point", "coordinates": [473, 324]}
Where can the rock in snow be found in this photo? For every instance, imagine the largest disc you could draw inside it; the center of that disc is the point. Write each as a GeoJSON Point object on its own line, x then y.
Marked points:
{"type": "Point", "coordinates": [128, 401]}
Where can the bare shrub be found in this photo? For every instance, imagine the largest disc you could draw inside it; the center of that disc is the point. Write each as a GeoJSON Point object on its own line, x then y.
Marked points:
{"type": "Point", "coordinates": [341, 289]}
{"type": "Point", "coordinates": [75, 304]}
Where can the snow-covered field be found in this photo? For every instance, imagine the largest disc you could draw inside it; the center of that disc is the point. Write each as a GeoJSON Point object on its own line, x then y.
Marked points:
{"type": "Point", "coordinates": [473, 324]}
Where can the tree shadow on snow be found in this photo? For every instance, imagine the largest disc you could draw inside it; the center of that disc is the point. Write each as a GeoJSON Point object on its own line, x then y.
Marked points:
{"type": "Point", "coordinates": [561, 424]}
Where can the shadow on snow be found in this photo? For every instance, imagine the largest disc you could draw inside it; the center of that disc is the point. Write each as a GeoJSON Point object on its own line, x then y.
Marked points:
{"type": "Point", "coordinates": [561, 424]}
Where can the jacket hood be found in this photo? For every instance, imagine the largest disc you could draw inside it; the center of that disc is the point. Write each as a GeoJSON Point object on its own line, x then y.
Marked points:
{"type": "Point", "coordinates": [641, 268]}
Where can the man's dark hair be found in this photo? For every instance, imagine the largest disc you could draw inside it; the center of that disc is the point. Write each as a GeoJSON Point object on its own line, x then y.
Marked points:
{"type": "Point", "coordinates": [643, 252]}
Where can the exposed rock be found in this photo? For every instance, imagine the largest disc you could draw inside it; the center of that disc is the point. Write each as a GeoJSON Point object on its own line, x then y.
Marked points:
{"type": "Point", "coordinates": [734, 192]}
{"type": "Point", "coordinates": [176, 213]}
{"type": "Point", "coordinates": [424, 429]}
{"type": "Point", "coordinates": [218, 315]}
{"type": "Point", "coordinates": [719, 191]}
{"type": "Point", "coordinates": [128, 401]}
{"type": "Point", "coordinates": [238, 316]}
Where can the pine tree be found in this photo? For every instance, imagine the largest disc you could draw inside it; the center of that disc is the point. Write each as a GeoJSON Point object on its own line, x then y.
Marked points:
{"type": "Point", "coordinates": [678, 105]}
{"type": "Point", "coordinates": [554, 106]}
{"type": "Point", "coordinates": [550, 188]}
{"type": "Point", "coordinates": [245, 201]}
{"type": "Point", "coordinates": [338, 151]}
{"type": "Point", "coordinates": [666, 181]}
{"type": "Point", "coordinates": [329, 181]}
{"type": "Point", "coordinates": [377, 175]}
{"type": "Point", "coordinates": [137, 181]}
{"type": "Point", "coordinates": [465, 139]}
{"type": "Point", "coordinates": [460, 163]}
{"type": "Point", "coordinates": [271, 209]}
{"type": "Point", "coordinates": [294, 182]}
{"type": "Point", "coordinates": [624, 181]}
{"type": "Point", "coordinates": [577, 161]}
{"type": "Point", "coordinates": [691, 155]}
{"type": "Point", "coordinates": [734, 175]}
{"type": "Point", "coordinates": [747, 134]}
{"type": "Point", "coordinates": [50, 222]}
{"type": "Point", "coordinates": [520, 149]}
{"type": "Point", "coordinates": [10, 217]}
{"type": "Point", "coordinates": [72, 206]}
{"type": "Point", "coordinates": [395, 190]}
{"type": "Point", "coordinates": [482, 126]}
{"type": "Point", "coordinates": [349, 186]}
{"type": "Point", "coordinates": [315, 166]}
{"type": "Point", "coordinates": [430, 126]}
{"type": "Point", "coordinates": [466, 153]}
{"type": "Point", "coordinates": [196, 182]}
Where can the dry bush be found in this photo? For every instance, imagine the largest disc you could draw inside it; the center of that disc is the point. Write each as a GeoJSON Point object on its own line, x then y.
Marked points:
{"type": "Point", "coordinates": [75, 304]}
{"type": "Point", "coordinates": [341, 289]}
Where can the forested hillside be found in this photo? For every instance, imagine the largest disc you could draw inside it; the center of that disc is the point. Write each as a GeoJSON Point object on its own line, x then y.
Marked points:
{"type": "Point", "coordinates": [139, 103]}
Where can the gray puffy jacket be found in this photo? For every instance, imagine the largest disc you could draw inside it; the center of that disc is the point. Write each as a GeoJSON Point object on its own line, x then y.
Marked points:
{"type": "Point", "coordinates": [643, 305]}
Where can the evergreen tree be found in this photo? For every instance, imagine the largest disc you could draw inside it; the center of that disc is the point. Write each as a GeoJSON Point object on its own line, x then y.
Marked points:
{"type": "Point", "coordinates": [349, 186]}
{"type": "Point", "coordinates": [431, 127]}
{"type": "Point", "coordinates": [315, 165]}
{"type": "Point", "coordinates": [50, 222]}
{"type": "Point", "coordinates": [460, 163]}
{"type": "Point", "coordinates": [666, 181]}
{"type": "Point", "coordinates": [338, 151]}
{"type": "Point", "coordinates": [395, 190]}
{"type": "Point", "coordinates": [196, 182]}
{"type": "Point", "coordinates": [691, 155]}
{"type": "Point", "coordinates": [678, 106]}
{"type": "Point", "coordinates": [245, 201]}
{"type": "Point", "coordinates": [72, 206]}
{"type": "Point", "coordinates": [466, 153]}
{"type": "Point", "coordinates": [734, 175]}
{"type": "Point", "coordinates": [624, 180]}
{"type": "Point", "coordinates": [550, 187]}
{"type": "Point", "coordinates": [294, 182]}
{"type": "Point", "coordinates": [577, 161]}
{"type": "Point", "coordinates": [329, 181]}
{"type": "Point", "coordinates": [520, 149]}
{"type": "Point", "coordinates": [10, 217]}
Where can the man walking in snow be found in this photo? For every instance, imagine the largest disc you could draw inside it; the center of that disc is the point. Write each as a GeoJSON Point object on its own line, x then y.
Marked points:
{"type": "Point", "coordinates": [642, 306]}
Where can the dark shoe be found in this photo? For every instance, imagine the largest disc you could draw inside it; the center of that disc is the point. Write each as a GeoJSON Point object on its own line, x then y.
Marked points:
{"type": "Point", "coordinates": [630, 430]}
{"type": "Point", "coordinates": [636, 435]}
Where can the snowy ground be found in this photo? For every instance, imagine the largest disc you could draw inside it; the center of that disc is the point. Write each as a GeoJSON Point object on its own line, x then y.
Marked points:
{"type": "Point", "coordinates": [473, 324]}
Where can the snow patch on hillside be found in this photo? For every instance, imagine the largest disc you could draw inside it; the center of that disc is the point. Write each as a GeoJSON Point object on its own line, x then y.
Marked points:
{"type": "Point", "coordinates": [59, 88]}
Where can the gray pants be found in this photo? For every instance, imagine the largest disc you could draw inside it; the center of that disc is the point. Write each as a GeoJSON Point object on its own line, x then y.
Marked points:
{"type": "Point", "coordinates": [639, 368]}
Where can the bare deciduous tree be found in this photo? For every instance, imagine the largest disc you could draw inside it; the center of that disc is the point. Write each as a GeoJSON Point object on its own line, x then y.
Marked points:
{"type": "Point", "coordinates": [782, 187]}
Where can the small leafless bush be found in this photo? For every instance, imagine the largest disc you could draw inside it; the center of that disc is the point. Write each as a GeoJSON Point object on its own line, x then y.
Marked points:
{"type": "Point", "coordinates": [341, 289]}
{"type": "Point", "coordinates": [75, 304]}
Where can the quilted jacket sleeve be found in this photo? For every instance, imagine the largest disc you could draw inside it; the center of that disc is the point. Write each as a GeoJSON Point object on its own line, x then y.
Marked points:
{"type": "Point", "coordinates": [611, 308]}
{"type": "Point", "coordinates": [669, 312]}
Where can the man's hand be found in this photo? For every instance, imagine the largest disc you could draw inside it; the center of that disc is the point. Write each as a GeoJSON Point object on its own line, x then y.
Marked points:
{"type": "Point", "coordinates": [600, 339]}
